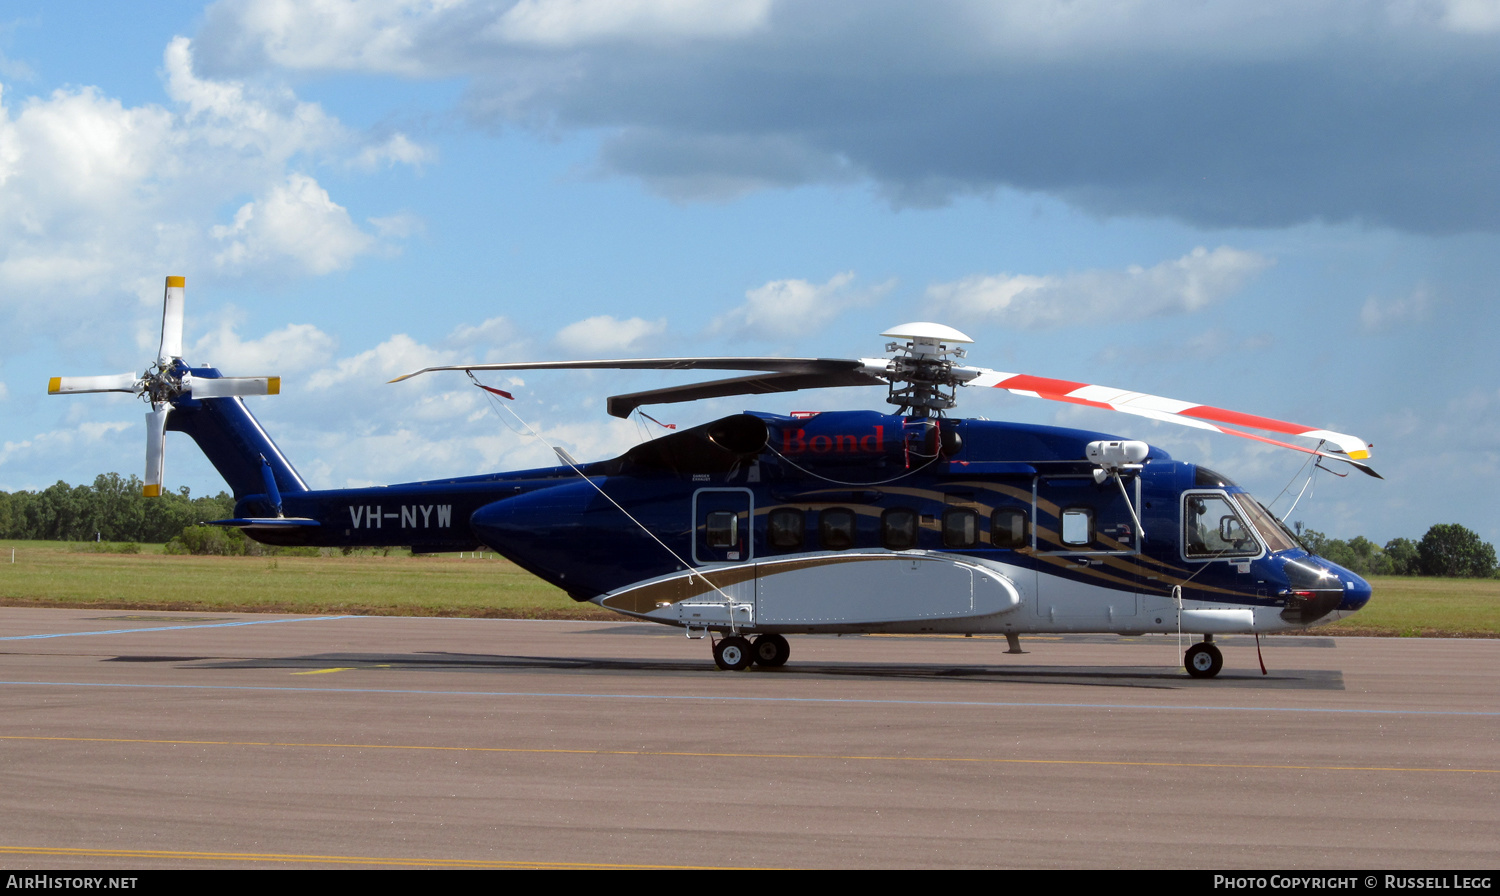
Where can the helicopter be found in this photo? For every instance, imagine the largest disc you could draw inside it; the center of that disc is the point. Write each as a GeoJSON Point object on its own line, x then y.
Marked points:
{"type": "Point", "coordinates": [756, 526]}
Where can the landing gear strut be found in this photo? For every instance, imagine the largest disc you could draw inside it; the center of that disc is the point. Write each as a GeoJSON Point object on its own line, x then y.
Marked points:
{"type": "Point", "coordinates": [1203, 660]}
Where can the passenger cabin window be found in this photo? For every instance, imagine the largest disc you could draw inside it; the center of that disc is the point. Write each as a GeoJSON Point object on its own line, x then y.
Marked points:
{"type": "Point", "coordinates": [1212, 528]}
{"type": "Point", "coordinates": [1077, 526]}
{"type": "Point", "coordinates": [960, 528]}
{"type": "Point", "coordinates": [836, 529]}
{"type": "Point", "coordinates": [1009, 528]}
{"type": "Point", "coordinates": [785, 527]}
{"type": "Point", "coordinates": [722, 529]}
{"type": "Point", "coordinates": [1075, 514]}
{"type": "Point", "coordinates": [898, 529]}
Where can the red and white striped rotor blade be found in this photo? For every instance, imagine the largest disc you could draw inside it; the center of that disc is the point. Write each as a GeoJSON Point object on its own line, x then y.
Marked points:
{"type": "Point", "coordinates": [226, 386]}
{"type": "Point", "coordinates": [120, 382]}
{"type": "Point", "coordinates": [156, 444]}
{"type": "Point", "coordinates": [171, 321]}
{"type": "Point", "coordinates": [1170, 410]}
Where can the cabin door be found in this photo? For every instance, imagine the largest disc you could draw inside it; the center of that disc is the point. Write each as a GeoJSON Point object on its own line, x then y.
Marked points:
{"type": "Point", "coordinates": [1088, 546]}
{"type": "Point", "coordinates": [723, 520]}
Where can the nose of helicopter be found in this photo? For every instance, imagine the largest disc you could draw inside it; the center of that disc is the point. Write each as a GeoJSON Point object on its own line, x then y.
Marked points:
{"type": "Point", "coordinates": [1320, 591]}
{"type": "Point", "coordinates": [1356, 592]}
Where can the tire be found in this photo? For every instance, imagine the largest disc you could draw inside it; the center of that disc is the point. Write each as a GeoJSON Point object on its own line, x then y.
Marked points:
{"type": "Point", "coordinates": [733, 654]}
{"type": "Point", "coordinates": [770, 651]}
{"type": "Point", "coordinates": [1203, 661]}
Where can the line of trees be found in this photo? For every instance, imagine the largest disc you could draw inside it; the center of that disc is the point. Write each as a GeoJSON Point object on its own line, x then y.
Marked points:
{"type": "Point", "coordinates": [112, 509]}
{"type": "Point", "coordinates": [1447, 549]}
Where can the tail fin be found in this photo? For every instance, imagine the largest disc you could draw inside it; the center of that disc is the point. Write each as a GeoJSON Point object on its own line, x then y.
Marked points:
{"type": "Point", "coordinates": [237, 445]}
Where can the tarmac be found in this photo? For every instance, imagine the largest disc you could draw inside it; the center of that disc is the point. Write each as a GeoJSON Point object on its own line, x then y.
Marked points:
{"type": "Point", "coordinates": [135, 740]}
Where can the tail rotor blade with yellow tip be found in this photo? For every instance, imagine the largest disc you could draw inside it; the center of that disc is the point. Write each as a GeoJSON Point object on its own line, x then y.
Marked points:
{"type": "Point", "coordinates": [227, 386]}
{"type": "Point", "coordinates": [156, 448]}
{"type": "Point", "coordinates": [68, 385]}
{"type": "Point", "coordinates": [171, 321]}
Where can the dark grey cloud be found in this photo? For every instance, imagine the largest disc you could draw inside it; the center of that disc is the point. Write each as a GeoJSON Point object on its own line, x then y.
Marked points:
{"type": "Point", "coordinates": [1218, 114]}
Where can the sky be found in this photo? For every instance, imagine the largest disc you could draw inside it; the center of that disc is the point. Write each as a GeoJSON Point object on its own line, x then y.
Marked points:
{"type": "Point", "coordinates": [1284, 208]}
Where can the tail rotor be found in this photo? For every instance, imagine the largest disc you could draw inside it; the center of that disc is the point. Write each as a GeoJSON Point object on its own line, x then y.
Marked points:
{"type": "Point", "coordinates": [166, 382]}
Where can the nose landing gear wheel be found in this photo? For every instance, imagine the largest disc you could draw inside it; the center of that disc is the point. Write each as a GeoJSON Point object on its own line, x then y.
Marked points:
{"type": "Point", "coordinates": [771, 650]}
{"type": "Point", "coordinates": [1203, 660]}
{"type": "Point", "coordinates": [733, 654]}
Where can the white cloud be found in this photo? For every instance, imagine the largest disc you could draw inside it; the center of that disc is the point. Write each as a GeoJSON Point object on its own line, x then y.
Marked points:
{"type": "Point", "coordinates": [398, 150]}
{"type": "Point", "coordinates": [495, 341]}
{"type": "Point", "coordinates": [604, 334]}
{"type": "Point", "coordinates": [268, 125]}
{"type": "Point", "coordinates": [13, 70]}
{"type": "Point", "coordinates": [346, 426]}
{"type": "Point", "coordinates": [397, 355]}
{"type": "Point", "coordinates": [423, 38]}
{"type": "Point", "coordinates": [1381, 314]}
{"type": "Point", "coordinates": [1181, 286]}
{"type": "Point", "coordinates": [1219, 114]}
{"type": "Point", "coordinates": [1473, 16]}
{"type": "Point", "coordinates": [374, 35]}
{"type": "Point", "coordinates": [562, 23]}
{"type": "Point", "coordinates": [51, 443]}
{"type": "Point", "coordinates": [297, 220]}
{"type": "Point", "coordinates": [293, 348]}
{"type": "Point", "coordinates": [93, 192]}
{"type": "Point", "coordinates": [783, 309]}
{"type": "Point", "coordinates": [398, 226]}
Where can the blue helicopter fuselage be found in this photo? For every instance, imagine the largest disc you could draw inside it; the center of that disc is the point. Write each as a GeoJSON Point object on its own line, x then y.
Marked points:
{"type": "Point", "coordinates": [843, 520]}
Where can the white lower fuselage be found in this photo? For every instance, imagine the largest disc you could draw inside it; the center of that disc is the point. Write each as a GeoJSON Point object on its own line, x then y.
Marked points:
{"type": "Point", "coordinates": [919, 591]}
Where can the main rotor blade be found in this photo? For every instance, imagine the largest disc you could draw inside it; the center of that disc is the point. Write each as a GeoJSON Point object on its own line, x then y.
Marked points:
{"type": "Point", "coordinates": [156, 439]}
{"type": "Point", "coordinates": [775, 365]}
{"type": "Point", "coordinates": [1170, 410]}
{"type": "Point", "coordinates": [623, 405]}
{"type": "Point", "coordinates": [226, 386]}
{"type": "Point", "coordinates": [171, 321]}
{"type": "Point", "coordinates": [120, 382]}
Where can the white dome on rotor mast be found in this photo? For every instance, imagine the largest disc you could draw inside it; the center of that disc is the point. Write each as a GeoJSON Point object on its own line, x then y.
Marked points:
{"type": "Point", "coordinates": [927, 338]}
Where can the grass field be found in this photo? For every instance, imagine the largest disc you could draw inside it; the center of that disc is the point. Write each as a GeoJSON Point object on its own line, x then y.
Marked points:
{"type": "Point", "coordinates": [57, 574]}
{"type": "Point", "coordinates": [64, 574]}
{"type": "Point", "coordinates": [1423, 607]}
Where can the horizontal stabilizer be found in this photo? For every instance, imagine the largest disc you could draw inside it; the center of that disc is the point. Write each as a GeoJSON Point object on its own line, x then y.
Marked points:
{"type": "Point", "coordinates": [269, 523]}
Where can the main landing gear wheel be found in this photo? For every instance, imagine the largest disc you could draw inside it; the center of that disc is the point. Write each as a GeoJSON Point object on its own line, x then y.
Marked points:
{"type": "Point", "coordinates": [733, 654]}
{"type": "Point", "coordinates": [770, 651]}
{"type": "Point", "coordinates": [1203, 660]}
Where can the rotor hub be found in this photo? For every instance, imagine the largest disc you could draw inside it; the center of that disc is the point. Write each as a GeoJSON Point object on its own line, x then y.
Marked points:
{"type": "Point", "coordinates": [922, 382]}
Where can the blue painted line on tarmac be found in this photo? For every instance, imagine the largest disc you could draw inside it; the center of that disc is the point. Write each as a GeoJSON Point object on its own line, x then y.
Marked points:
{"type": "Point", "coordinates": [722, 699]}
{"type": "Point", "coordinates": [173, 628]}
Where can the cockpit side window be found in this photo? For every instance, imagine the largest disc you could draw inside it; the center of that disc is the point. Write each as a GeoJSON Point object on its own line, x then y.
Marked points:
{"type": "Point", "coordinates": [1277, 537]}
{"type": "Point", "coordinates": [1212, 528]}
